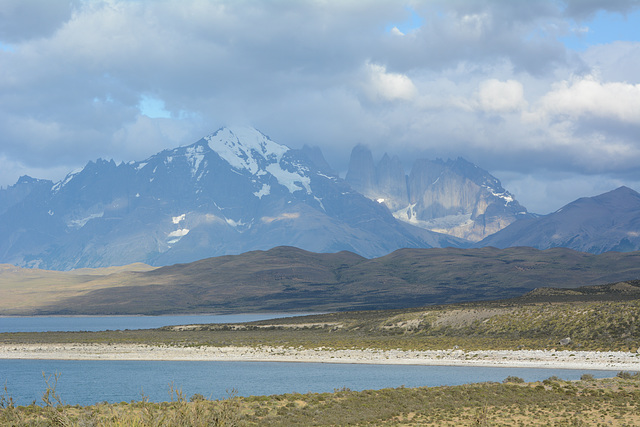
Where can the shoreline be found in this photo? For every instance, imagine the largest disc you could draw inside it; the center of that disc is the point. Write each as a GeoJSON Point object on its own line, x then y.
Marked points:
{"type": "Point", "coordinates": [550, 359]}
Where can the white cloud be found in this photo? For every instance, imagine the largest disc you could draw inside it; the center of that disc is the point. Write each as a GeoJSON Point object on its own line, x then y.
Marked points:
{"type": "Point", "coordinates": [486, 80]}
{"type": "Point", "coordinates": [501, 97]}
{"type": "Point", "coordinates": [589, 97]}
{"type": "Point", "coordinates": [383, 85]}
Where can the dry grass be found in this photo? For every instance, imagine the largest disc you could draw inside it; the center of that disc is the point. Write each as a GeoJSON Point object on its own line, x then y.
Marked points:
{"type": "Point", "coordinates": [552, 402]}
{"type": "Point", "coordinates": [23, 290]}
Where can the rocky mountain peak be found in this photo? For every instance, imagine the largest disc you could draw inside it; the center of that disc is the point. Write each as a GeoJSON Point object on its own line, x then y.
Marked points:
{"type": "Point", "coordinates": [233, 191]}
{"type": "Point", "coordinates": [362, 172]}
{"type": "Point", "coordinates": [454, 197]}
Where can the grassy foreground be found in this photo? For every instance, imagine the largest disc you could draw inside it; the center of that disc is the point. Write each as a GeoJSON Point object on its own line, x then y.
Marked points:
{"type": "Point", "coordinates": [612, 401]}
{"type": "Point", "coordinates": [499, 325]}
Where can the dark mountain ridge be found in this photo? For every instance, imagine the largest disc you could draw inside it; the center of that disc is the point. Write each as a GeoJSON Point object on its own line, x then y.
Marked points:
{"type": "Point", "coordinates": [607, 222]}
{"type": "Point", "coordinates": [290, 279]}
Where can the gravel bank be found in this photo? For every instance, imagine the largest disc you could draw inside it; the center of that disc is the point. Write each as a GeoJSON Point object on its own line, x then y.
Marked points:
{"type": "Point", "coordinates": [454, 357]}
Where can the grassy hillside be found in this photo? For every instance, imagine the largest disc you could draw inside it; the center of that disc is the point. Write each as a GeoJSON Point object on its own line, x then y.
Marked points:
{"type": "Point", "coordinates": [289, 279]}
{"type": "Point", "coordinates": [26, 290]}
{"type": "Point", "coordinates": [609, 323]}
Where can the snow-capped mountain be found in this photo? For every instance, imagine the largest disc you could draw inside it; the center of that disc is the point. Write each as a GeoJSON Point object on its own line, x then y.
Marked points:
{"type": "Point", "coordinates": [454, 197]}
{"type": "Point", "coordinates": [608, 222]}
{"type": "Point", "coordinates": [233, 191]}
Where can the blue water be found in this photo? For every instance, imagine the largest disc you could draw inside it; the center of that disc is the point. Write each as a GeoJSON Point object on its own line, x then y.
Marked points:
{"type": "Point", "coordinates": [103, 323]}
{"type": "Point", "coordinates": [88, 382]}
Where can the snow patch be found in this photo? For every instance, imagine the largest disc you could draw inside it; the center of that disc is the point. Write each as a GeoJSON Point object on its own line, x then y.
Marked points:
{"type": "Point", "coordinates": [246, 149]}
{"type": "Point", "coordinates": [178, 219]}
{"type": "Point", "coordinates": [293, 181]}
{"type": "Point", "coordinates": [141, 165]}
{"type": "Point", "coordinates": [380, 200]}
{"type": "Point", "coordinates": [320, 203]}
{"type": "Point", "coordinates": [66, 180]}
{"type": "Point", "coordinates": [284, 216]}
{"type": "Point", "coordinates": [195, 157]}
{"type": "Point", "coordinates": [439, 225]}
{"type": "Point", "coordinates": [264, 191]}
{"type": "Point", "coordinates": [179, 233]}
{"type": "Point", "coordinates": [175, 236]}
{"type": "Point", "coordinates": [79, 223]}
{"type": "Point", "coordinates": [326, 176]}
{"type": "Point", "coordinates": [234, 224]}
{"type": "Point", "coordinates": [505, 195]}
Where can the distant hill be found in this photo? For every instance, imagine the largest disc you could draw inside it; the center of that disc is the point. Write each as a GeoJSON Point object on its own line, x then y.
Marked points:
{"type": "Point", "coordinates": [608, 222]}
{"type": "Point", "coordinates": [291, 279]}
{"type": "Point", "coordinates": [620, 291]}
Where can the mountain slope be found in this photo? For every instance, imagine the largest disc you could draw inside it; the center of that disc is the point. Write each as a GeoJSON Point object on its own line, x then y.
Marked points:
{"type": "Point", "coordinates": [233, 191]}
{"type": "Point", "coordinates": [453, 197]}
{"type": "Point", "coordinates": [290, 279]}
{"type": "Point", "coordinates": [608, 222]}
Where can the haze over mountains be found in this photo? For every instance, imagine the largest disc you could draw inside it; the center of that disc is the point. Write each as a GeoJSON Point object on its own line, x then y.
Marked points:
{"type": "Point", "coordinates": [237, 190]}
{"type": "Point", "coordinates": [453, 197]}
{"type": "Point", "coordinates": [231, 192]}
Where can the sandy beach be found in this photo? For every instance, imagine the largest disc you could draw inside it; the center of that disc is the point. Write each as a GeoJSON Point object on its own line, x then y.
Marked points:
{"type": "Point", "coordinates": [454, 357]}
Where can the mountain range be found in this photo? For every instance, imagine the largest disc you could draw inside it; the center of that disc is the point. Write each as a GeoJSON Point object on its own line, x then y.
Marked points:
{"type": "Point", "coordinates": [233, 191]}
{"type": "Point", "coordinates": [236, 190]}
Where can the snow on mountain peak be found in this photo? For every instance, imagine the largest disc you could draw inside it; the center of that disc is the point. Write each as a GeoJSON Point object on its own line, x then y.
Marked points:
{"type": "Point", "coordinates": [240, 146]}
{"type": "Point", "coordinates": [248, 149]}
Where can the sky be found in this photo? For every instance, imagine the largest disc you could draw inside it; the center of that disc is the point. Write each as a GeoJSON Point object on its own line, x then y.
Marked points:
{"type": "Point", "coordinates": [543, 94]}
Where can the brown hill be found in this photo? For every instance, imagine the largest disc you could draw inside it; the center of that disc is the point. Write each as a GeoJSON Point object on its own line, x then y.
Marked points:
{"type": "Point", "coordinates": [290, 279]}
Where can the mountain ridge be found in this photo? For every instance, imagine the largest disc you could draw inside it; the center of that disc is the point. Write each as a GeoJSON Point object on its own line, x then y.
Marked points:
{"type": "Point", "coordinates": [230, 192]}
{"type": "Point", "coordinates": [290, 279]}
{"type": "Point", "coordinates": [453, 197]}
{"type": "Point", "coordinates": [606, 222]}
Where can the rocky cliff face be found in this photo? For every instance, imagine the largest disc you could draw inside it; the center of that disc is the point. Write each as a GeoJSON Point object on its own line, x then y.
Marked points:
{"type": "Point", "coordinates": [453, 197]}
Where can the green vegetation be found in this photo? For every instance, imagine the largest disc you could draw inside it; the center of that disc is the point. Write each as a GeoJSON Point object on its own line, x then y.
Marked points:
{"type": "Point", "coordinates": [605, 402]}
{"type": "Point", "coordinates": [511, 324]}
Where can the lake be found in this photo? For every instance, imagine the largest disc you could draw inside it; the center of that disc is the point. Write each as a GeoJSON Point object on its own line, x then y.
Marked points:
{"type": "Point", "coordinates": [114, 323]}
{"type": "Point", "coordinates": [88, 382]}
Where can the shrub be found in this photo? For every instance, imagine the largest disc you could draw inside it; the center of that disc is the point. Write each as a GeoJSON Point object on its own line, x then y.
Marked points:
{"type": "Point", "coordinates": [625, 375]}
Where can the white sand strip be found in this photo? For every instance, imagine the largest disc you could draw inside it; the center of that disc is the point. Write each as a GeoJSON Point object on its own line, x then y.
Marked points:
{"type": "Point", "coordinates": [614, 360]}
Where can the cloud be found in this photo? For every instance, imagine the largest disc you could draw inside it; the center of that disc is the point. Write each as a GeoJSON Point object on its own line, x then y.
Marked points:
{"type": "Point", "coordinates": [382, 85]}
{"type": "Point", "coordinates": [501, 97]}
{"type": "Point", "coordinates": [26, 19]}
{"type": "Point", "coordinates": [490, 81]}
{"type": "Point", "coordinates": [589, 97]}
{"type": "Point", "coordinates": [586, 9]}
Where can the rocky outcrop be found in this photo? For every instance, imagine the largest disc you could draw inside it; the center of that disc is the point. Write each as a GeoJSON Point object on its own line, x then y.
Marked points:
{"type": "Point", "coordinates": [454, 197]}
